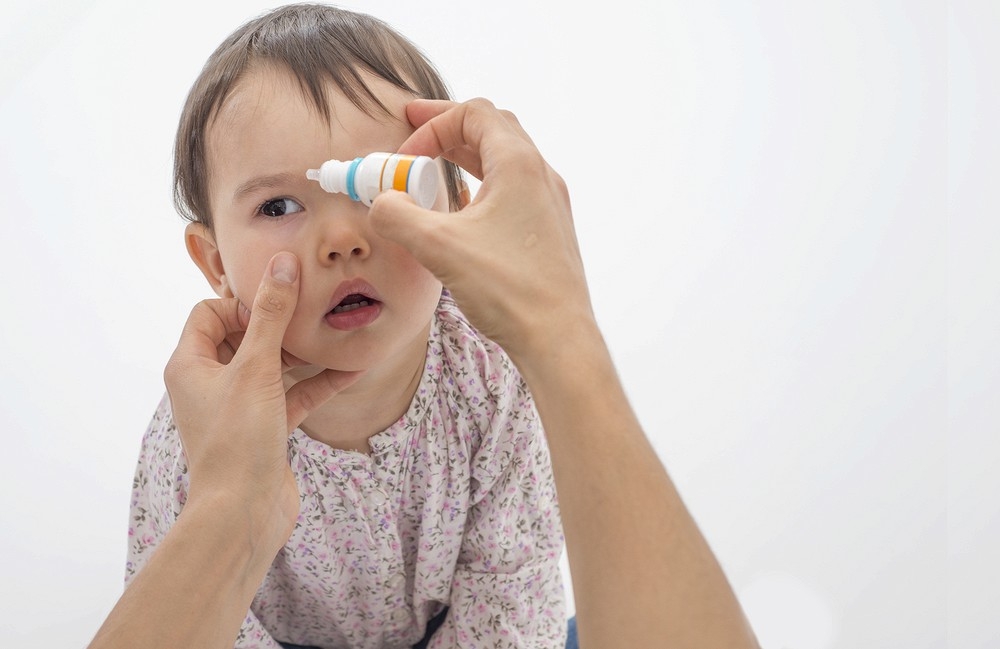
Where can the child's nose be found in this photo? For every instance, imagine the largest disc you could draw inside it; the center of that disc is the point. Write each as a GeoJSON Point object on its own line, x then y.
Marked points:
{"type": "Point", "coordinates": [344, 236]}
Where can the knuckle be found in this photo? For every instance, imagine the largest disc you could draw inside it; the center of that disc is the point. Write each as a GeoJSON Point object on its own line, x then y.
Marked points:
{"type": "Point", "coordinates": [526, 163]}
{"type": "Point", "coordinates": [204, 307]}
{"type": "Point", "coordinates": [535, 164]}
{"type": "Point", "coordinates": [173, 373]}
{"type": "Point", "coordinates": [509, 116]}
{"type": "Point", "coordinates": [478, 104]}
{"type": "Point", "coordinates": [250, 365]}
{"type": "Point", "coordinates": [560, 184]}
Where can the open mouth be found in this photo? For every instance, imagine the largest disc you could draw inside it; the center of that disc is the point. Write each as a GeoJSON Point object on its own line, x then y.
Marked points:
{"type": "Point", "coordinates": [352, 302]}
{"type": "Point", "coordinates": [355, 307]}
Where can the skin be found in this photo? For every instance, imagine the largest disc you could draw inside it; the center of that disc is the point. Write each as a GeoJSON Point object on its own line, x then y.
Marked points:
{"type": "Point", "coordinates": [643, 575]}
{"type": "Point", "coordinates": [262, 140]}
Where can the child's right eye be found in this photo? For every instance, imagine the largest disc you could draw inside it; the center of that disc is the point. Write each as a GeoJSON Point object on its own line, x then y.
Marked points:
{"type": "Point", "coordinates": [279, 207]}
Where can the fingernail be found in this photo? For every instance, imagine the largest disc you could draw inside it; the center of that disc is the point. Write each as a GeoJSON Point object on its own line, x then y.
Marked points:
{"type": "Point", "coordinates": [285, 267]}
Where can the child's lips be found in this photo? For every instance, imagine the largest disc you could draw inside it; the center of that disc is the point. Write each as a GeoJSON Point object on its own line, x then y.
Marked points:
{"type": "Point", "coordinates": [354, 318]}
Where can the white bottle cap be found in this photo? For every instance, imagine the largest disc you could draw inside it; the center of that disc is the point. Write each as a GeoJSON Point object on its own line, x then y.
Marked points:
{"type": "Point", "coordinates": [422, 181]}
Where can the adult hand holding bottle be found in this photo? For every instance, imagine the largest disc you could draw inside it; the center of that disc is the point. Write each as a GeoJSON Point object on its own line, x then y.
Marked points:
{"type": "Point", "coordinates": [643, 575]}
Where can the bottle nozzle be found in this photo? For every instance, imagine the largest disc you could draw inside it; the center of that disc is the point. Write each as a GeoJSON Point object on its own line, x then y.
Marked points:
{"type": "Point", "coordinates": [312, 174]}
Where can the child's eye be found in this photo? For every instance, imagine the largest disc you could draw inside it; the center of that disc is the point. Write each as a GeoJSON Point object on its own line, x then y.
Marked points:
{"type": "Point", "coordinates": [278, 207]}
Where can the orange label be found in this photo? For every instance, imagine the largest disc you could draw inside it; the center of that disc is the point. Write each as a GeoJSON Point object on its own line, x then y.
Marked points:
{"type": "Point", "coordinates": [402, 172]}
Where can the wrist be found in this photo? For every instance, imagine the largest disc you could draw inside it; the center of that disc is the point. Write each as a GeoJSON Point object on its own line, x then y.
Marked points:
{"type": "Point", "coordinates": [254, 526]}
{"type": "Point", "coordinates": [556, 353]}
{"type": "Point", "coordinates": [195, 589]}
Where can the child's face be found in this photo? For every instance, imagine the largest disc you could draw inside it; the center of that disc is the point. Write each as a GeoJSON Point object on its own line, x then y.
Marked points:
{"type": "Point", "coordinates": [262, 141]}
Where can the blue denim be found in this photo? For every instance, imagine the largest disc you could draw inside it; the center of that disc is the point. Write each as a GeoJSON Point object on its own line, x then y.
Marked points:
{"type": "Point", "coordinates": [571, 641]}
{"type": "Point", "coordinates": [432, 626]}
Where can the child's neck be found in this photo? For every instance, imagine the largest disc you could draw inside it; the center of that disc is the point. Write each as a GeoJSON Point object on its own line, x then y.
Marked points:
{"type": "Point", "coordinates": [376, 401]}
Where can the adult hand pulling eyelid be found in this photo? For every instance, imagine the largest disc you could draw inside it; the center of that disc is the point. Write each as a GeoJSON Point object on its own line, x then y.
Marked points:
{"type": "Point", "coordinates": [257, 361]}
{"type": "Point", "coordinates": [289, 361]}
{"type": "Point", "coordinates": [233, 421]}
{"type": "Point", "coordinates": [274, 305]}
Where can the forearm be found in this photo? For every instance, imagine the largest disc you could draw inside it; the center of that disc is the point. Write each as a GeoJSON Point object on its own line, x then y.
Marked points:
{"type": "Point", "coordinates": [643, 575]}
{"type": "Point", "coordinates": [197, 587]}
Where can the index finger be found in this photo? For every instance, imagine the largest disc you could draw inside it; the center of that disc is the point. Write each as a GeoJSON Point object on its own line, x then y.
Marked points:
{"type": "Point", "coordinates": [475, 135]}
{"type": "Point", "coordinates": [207, 326]}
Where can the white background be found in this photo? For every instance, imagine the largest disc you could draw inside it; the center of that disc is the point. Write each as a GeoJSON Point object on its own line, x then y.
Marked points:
{"type": "Point", "coordinates": [762, 196]}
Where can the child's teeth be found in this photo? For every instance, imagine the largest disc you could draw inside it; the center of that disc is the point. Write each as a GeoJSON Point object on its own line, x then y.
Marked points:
{"type": "Point", "coordinates": [351, 307]}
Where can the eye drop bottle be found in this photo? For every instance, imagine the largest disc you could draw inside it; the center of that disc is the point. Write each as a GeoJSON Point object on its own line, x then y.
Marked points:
{"type": "Point", "coordinates": [365, 178]}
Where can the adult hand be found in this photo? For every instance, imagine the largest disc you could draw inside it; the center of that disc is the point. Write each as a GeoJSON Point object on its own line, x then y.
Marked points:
{"type": "Point", "coordinates": [233, 414]}
{"type": "Point", "coordinates": [510, 258]}
{"type": "Point", "coordinates": [231, 407]}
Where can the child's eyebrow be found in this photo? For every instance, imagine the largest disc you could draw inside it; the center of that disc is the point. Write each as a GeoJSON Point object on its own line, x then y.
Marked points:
{"type": "Point", "coordinates": [265, 182]}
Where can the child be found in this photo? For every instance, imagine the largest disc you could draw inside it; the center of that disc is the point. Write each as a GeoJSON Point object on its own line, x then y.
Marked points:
{"type": "Point", "coordinates": [428, 510]}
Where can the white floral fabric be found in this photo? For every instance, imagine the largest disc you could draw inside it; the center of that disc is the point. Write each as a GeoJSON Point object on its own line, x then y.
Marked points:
{"type": "Point", "coordinates": [454, 506]}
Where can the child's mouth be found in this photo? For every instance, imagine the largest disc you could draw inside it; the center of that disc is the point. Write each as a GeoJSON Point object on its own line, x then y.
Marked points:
{"type": "Point", "coordinates": [354, 311]}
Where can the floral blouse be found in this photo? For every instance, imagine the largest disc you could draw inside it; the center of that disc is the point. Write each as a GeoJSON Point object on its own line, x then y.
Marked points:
{"type": "Point", "coordinates": [454, 506]}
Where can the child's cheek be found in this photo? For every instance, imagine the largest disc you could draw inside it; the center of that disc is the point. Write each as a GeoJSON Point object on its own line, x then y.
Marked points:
{"type": "Point", "coordinates": [410, 270]}
{"type": "Point", "coordinates": [248, 260]}
{"type": "Point", "coordinates": [244, 273]}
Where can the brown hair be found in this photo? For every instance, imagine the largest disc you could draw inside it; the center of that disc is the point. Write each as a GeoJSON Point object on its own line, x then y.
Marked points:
{"type": "Point", "coordinates": [318, 44]}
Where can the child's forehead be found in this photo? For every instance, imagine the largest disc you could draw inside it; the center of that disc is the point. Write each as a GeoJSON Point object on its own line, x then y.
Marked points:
{"type": "Point", "coordinates": [270, 109]}
{"type": "Point", "coordinates": [256, 94]}
{"type": "Point", "coordinates": [264, 88]}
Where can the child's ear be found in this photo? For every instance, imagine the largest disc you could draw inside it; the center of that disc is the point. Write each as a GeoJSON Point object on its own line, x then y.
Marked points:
{"type": "Point", "coordinates": [205, 254]}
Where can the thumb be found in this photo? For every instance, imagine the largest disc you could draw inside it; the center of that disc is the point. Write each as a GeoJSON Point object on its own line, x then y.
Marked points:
{"type": "Point", "coordinates": [396, 216]}
{"type": "Point", "coordinates": [272, 307]}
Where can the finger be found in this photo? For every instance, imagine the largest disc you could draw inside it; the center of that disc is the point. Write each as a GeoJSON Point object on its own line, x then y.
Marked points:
{"type": "Point", "coordinates": [468, 159]}
{"type": "Point", "coordinates": [308, 394]}
{"type": "Point", "coordinates": [515, 123]}
{"type": "Point", "coordinates": [470, 134]}
{"type": "Point", "coordinates": [272, 307]}
{"type": "Point", "coordinates": [208, 326]}
{"type": "Point", "coordinates": [228, 347]}
{"type": "Point", "coordinates": [290, 361]}
{"type": "Point", "coordinates": [426, 141]}
{"type": "Point", "coordinates": [443, 131]}
{"type": "Point", "coordinates": [419, 111]}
